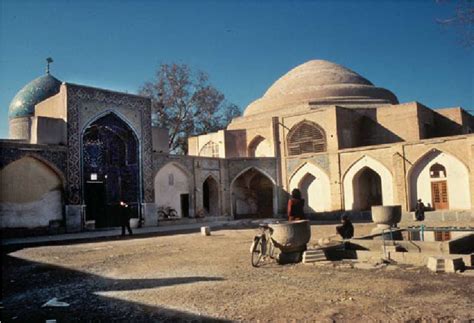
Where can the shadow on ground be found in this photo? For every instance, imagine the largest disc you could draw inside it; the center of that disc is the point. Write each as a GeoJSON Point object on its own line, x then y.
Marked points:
{"type": "Point", "coordinates": [27, 285]}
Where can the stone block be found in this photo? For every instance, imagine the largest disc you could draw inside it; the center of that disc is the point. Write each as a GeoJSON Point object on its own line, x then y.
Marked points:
{"type": "Point", "coordinates": [361, 265]}
{"type": "Point", "coordinates": [434, 215]}
{"type": "Point", "coordinates": [206, 231]}
{"type": "Point", "coordinates": [450, 216]}
{"type": "Point", "coordinates": [445, 264]}
{"type": "Point", "coordinates": [149, 215]}
{"type": "Point", "coordinates": [74, 216]}
{"type": "Point", "coordinates": [465, 215]}
{"type": "Point", "coordinates": [315, 255]}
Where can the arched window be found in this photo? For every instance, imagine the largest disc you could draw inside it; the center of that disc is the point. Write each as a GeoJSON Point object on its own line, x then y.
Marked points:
{"type": "Point", "coordinates": [437, 171]}
{"type": "Point", "coordinates": [253, 146]}
{"type": "Point", "coordinates": [306, 137]}
{"type": "Point", "coordinates": [211, 149]}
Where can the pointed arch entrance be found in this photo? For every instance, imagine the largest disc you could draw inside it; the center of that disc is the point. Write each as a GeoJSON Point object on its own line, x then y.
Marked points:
{"type": "Point", "coordinates": [173, 189]}
{"type": "Point", "coordinates": [440, 180]}
{"type": "Point", "coordinates": [110, 169]}
{"type": "Point", "coordinates": [367, 186]}
{"type": "Point", "coordinates": [314, 186]}
{"type": "Point", "coordinates": [210, 196]}
{"type": "Point", "coordinates": [253, 195]}
{"type": "Point", "coordinates": [366, 183]}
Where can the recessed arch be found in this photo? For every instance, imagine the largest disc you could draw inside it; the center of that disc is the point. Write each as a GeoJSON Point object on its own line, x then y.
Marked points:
{"type": "Point", "coordinates": [253, 194]}
{"type": "Point", "coordinates": [259, 147]}
{"type": "Point", "coordinates": [45, 161]}
{"type": "Point", "coordinates": [105, 112]}
{"type": "Point", "coordinates": [111, 167]}
{"type": "Point", "coordinates": [173, 188]}
{"type": "Point", "coordinates": [306, 137]}
{"type": "Point", "coordinates": [31, 194]}
{"type": "Point", "coordinates": [352, 177]}
{"type": "Point", "coordinates": [452, 179]}
{"type": "Point", "coordinates": [210, 195]}
{"type": "Point", "coordinates": [314, 185]}
{"type": "Point", "coordinates": [210, 149]}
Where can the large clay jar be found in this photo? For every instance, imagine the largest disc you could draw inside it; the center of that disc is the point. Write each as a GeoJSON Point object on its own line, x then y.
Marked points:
{"type": "Point", "coordinates": [291, 236]}
{"type": "Point", "coordinates": [386, 217]}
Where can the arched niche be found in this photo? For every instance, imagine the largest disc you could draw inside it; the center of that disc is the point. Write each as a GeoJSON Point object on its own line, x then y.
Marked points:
{"type": "Point", "coordinates": [440, 180]}
{"type": "Point", "coordinates": [210, 149]}
{"type": "Point", "coordinates": [30, 194]}
{"type": "Point", "coordinates": [210, 196]}
{"type": "Point", "coordinates": [357, 177]}
{"type": "Point", "coordinates": [173, 189]}
{"type": "Point", "coordinates": [315, 187]}
{"type": "Point", "coordinates": [253, 194]}
{"type": "Point", "coordinates": [259, 147]}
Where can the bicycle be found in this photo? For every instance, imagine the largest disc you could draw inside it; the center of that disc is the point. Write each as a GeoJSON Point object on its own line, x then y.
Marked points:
{"type": "Point", "coordinates": [262, 246]}
{"type": "Point", "coordinates": [167, 213]}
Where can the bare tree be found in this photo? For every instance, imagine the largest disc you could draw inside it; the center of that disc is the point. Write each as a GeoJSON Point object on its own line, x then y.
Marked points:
{"type": "Point", "coordinates": [461, 19]}
{"type": "Point", "coordinates": [184, 102]}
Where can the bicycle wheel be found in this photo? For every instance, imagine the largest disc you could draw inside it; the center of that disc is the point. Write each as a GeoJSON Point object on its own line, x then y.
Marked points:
{"type": "Point", "coordinates": [173, 214]}
{"type": "Point", "coordinates": [270, 249]}
{"type": "Point", "coordinates": [256, 251]}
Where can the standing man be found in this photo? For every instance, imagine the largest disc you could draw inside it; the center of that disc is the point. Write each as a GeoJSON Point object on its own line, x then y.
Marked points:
{"type": "Point", "coordinates": [295, 208]}
{"type": "Point", "coordinates": [419, 211]}
{"type": "Point", "coordinates": [125, 218]}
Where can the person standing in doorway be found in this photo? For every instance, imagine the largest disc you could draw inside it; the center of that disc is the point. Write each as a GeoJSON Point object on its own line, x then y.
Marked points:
{"type": "Point", "coordinates": [125, 217]}
{"type": "Point", "coordinates": [419, 211]}
{"type": "Point", "coordinates": [295, 206]}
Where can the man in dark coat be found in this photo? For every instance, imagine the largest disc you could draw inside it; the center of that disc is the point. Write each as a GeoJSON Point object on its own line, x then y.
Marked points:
{"type": "Point", "coordinates": [125, 217]}
{"type": "Point", "coordinates": [346, 230]}
{"type": "Point", "coordinates": [420, 211]}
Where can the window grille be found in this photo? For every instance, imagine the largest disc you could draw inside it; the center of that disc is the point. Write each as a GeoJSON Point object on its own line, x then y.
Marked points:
{"type": "Point", "coordinates": [437, 171]}
{"type": "Point", "coordinates": [211, 149]}
{"type": "Point", "coordinates": [306, 137]}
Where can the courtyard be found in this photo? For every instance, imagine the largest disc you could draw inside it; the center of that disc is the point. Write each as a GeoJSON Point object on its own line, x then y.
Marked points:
{"type": "Point", "coordinates": [193, 277]}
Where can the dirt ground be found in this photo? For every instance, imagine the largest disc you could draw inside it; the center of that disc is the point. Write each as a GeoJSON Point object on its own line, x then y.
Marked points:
{"type": "Point", "coordinates": [192, 277]}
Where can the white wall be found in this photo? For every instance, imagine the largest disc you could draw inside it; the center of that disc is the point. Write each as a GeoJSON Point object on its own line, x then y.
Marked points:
{"type": "Point", "coordinates": [263, 149]}
{"type": "Point", "coordinates": [457, 178]}
{"type": "Point", "coordinates": [32, 214]}
{"type": "Point", "coordinates": [168, 190]}
{"type": "Point", "coordinates": [318, 193]}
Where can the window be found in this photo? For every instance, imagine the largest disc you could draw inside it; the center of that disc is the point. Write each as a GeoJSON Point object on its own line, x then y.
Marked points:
{"type": "Point", "coordinates": [211, 149]}
{"type": "Point", "coordinates": [437, 171]}
{"type": "Point", "coordinates": [442, 235]}
{"type": "Point", "coordinates": [170, 179]}
{"type": "Point", "coordinates": [306, 137]}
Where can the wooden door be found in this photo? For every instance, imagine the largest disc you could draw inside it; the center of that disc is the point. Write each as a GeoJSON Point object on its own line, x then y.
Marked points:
{"type": "Point", "coordinates": [439, 195]}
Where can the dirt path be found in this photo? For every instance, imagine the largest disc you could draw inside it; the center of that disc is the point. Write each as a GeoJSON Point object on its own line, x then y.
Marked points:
{"type": "Point", "coordinates": [194, 277]}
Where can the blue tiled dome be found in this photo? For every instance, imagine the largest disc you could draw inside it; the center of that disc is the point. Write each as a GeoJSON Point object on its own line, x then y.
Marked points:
{"type": "Point", "coordinates": [23, 104]}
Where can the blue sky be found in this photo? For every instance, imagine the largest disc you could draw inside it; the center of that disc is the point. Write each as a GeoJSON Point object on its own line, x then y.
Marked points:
{"type": "Point", "coordinates": [244, 46]}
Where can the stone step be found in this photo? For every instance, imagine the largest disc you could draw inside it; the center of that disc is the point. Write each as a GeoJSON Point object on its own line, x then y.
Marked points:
{"type": "Point", "coordinates": [311, 256]}
{"type": "Point", "coordinates": [448, 264]}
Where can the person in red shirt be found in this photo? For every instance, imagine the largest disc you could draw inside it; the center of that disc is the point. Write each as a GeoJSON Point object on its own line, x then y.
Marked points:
{"type": "Point", "coordinates": [296, 206]}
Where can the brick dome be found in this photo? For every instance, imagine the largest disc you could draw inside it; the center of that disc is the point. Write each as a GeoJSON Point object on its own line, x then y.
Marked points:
{"type": "Point", "coordinates": [323, 82]}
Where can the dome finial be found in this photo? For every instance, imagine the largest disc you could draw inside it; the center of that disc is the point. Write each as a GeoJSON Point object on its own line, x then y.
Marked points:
{"type": "Point", "coordinates": [49, 60]}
